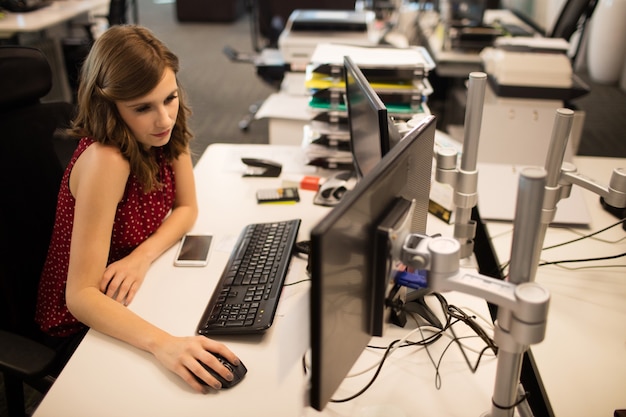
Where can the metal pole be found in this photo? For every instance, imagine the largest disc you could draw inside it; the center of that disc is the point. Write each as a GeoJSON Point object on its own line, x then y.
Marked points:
{"type": "Point", "coordinates": [554, 162]}
{"type": "Point", "coordinates": [526, 226]}
{"type": "Point", "coordinates": [466, 187]}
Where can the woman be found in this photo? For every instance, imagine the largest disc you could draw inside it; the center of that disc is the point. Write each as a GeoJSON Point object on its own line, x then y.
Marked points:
{"type": "Point", "coordinates": [128, 194]}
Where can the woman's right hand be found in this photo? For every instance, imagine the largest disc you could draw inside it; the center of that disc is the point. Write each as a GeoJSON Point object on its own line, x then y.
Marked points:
{"type": "Point", "coordinates": [182, 355]}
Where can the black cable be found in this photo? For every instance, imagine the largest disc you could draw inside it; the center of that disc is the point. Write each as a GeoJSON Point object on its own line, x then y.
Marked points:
{"type": "Point", "coordinates": [450, 312]}
{"type": "Point", "coordinates": [369, 384]}
{"type": "Point", "coordinates": [473, 368]}
{"type": "Point", "coordinates": [296, 282]}
{"type": "Point", "coordinates": [585, 236]}
{"type": "Point", "coordinates": [471, 323]}
{"type": "Point", "coordinates": [521, 399]}
{"type": "Point", "coordinates": [459, 315]}
{"type": "Point", "coordinates": [424, 342]}
{"type": "Point", "coordinates": [602, 258]}
{"type": "Point", "coordinates": [506, 264]}
{"type": "Point", "coordinates": [408, 343]}
{"type": "Point", "coordinates": [450, 343]}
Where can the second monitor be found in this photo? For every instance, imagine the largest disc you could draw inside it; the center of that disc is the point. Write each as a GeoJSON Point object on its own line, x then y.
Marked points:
{"type": "Point", "coordinates": [372, 133]}
{"type": "Point", "coordinates": [350, 272]}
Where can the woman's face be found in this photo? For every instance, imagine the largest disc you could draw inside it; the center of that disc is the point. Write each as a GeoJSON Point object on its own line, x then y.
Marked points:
{"type": "Point", "coordinates": [152, 117]}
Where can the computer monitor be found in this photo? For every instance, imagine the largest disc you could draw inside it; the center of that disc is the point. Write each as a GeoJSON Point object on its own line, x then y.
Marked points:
{"type": "Point", "coordinates": [526, 11]}
{"type": "Point", "coordinates": [347, 256]}
{"type": "Point", "coordinates": [467, 13]}
{"type": "Point", "coordinates": [372, 131]}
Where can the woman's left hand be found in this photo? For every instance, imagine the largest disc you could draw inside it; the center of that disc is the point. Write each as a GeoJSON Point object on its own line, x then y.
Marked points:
{"type": "Point", "coordinates": [122, 279]}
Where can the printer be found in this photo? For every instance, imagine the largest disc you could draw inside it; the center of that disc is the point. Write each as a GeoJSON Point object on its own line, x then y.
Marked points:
{"type": "Point", "coordinates": [305, 29]}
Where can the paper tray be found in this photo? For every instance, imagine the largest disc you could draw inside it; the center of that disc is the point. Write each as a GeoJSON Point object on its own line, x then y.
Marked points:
{"type": "Point", "coordinates": [579, 88]}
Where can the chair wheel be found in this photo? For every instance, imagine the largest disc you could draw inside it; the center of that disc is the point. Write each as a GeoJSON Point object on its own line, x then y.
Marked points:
{"type": "Point", "coordinates": [244, 125]}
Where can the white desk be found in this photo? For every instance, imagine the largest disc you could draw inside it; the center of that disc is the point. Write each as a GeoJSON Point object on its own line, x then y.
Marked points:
{"type": "Point", "coordinates": [106, 377]}
{"type": "Point", "coordinates": [582, 360]}
{"type": "Point", "coordinates": [58, 12]}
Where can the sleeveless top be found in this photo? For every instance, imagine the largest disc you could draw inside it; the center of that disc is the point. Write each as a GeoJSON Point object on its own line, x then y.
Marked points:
{"type": "Point", "coordinates": [138, 215]}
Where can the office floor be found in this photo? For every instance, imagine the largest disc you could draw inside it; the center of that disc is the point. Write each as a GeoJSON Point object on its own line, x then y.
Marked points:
{"type": "Point", "coordinates": [220, 92]}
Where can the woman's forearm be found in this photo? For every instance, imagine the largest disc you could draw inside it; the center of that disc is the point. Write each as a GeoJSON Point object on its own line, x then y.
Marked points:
{"type": "Point", "coordinates": [104, 314]}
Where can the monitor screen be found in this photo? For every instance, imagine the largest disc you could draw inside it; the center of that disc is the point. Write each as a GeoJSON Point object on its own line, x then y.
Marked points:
{"type": "Point", "coordinates": [372, 131]}
{"type": "Point", "coordinates": [526, 11]}
{"type": "Point", "coordinates": [467, 12]}
{"type": "Point", "coordinates": [347, 297]}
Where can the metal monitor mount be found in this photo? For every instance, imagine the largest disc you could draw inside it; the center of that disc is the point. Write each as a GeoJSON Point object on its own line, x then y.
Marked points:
{"type": "Point", "coordinates": [523, 304]}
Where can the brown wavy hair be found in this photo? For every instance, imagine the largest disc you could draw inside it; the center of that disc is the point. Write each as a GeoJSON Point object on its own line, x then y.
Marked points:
{"type": "Point", "coordinates": [127, 62]}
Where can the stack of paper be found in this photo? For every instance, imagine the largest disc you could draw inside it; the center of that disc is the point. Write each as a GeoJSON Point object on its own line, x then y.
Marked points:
{"type": "Point", "coordinates": [532, 69]}
{"type": "Point", "coordinates": [327, 151]}
{"type": "Point", "coordinates": [373, 57]}
{"type": "Point", "coordinates": [398, 75]}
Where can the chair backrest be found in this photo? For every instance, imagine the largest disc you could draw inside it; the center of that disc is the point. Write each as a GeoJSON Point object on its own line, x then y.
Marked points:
{"type": "Point", "coordinates": [271, 16]}
{"type": "Point", "coordinates": [30, 173]}
{"type": "Point", "coordinates": [573, 14]}
{"type": "Point", "coordinates": [118, 12]}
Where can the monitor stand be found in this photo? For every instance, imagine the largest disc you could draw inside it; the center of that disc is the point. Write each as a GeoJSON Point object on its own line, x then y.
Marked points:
{"type": "Point", "coordinates": [412, 301]}
{"type": "Point", "coordinates": [416, 303]}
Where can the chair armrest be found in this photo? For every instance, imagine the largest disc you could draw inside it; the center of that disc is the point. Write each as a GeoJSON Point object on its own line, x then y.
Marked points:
{"type": "Point", "coordinates": [24, 357]}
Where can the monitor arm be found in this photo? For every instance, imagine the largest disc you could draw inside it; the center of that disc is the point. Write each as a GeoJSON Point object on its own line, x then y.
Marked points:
{"type": "Point", "coordinates": [614, 194]}
{"type": "Point", "coordinates": [561, 176]}
{"type": "Point", "coordinates": [440, 256]}
{"type": "Point", "coordinates": [523, 304]}
{"type": "Point", "coordinates": [464, 178]}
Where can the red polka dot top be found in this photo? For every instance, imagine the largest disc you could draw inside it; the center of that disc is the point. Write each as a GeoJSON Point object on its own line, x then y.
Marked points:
{"type": "Point", "coordinates": [138, 215]}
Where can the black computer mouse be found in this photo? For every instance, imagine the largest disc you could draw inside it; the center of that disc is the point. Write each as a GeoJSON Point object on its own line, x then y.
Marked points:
{"type": "Point", "coordinates": [237, 371]}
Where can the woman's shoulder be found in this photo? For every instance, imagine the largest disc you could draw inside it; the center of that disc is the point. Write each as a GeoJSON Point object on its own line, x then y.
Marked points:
{"type": "Point", "coordinates": [105, 155]}
{"type": "Point", "coordinates": [99, 167]}
{"type": "Point", "coordinates": [102, 161]}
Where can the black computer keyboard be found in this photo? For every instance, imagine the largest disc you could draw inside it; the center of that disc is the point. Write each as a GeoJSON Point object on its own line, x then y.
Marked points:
{"type": "Point", "coordinates": [247, 294]}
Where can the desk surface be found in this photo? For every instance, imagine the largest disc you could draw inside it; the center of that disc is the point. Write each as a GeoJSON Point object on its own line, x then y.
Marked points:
{"type": "Point", "coordinates": [106, 377]}
{"type": "Point", "coordinates": [582, 360]}
{"type": "Point", "coordinates": [37, 20]}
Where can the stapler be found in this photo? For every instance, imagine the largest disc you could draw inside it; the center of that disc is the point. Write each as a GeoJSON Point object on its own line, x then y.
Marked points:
{"type": "Point", "coordinates": [261, 168]}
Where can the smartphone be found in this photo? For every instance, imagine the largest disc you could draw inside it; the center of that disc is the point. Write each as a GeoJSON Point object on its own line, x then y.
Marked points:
{"type": "Point", "coordinates": [193, 250]}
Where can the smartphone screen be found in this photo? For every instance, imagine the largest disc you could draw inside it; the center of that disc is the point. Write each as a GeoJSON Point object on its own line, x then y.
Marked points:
{"type": "Point", "coordinates": [193, 250]}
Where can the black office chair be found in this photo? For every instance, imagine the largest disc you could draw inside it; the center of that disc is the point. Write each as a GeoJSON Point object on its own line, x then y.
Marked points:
{"type": "Point", "coordinates": [574, 16]}
{"type": "Point", "coordinates": [30, 173]}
